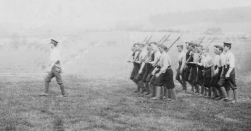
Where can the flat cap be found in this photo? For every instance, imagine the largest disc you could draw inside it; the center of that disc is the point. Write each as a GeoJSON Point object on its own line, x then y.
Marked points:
{"type": "Point", "coordinates": [53, 41]}
{"type": "Point", "coordinates": [218, 46]}
{"type": "Point", "coordinates": [205, 48]}
{"type": "Point", "coordinates": [227, 44]}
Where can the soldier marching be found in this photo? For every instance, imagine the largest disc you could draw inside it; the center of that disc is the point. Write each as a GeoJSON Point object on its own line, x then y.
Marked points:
{"type": "Point", "coordinates": [211, 77]}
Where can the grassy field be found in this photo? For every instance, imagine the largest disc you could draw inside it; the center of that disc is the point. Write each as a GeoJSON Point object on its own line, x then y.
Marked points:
{"type": "Point", "coordinates": [100, 97]}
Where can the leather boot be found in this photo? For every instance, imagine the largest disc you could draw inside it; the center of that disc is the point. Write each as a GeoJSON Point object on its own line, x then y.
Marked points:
{"type": "Point", "coordinates": [158, 93]}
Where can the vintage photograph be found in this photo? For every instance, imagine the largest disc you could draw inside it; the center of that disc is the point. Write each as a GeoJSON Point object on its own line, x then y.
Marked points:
{"type": "Point", "coordinates": [125, 65]}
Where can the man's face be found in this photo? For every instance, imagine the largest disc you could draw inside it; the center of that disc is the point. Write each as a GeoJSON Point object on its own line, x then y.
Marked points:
{"type": "Point", "coordinates": [226, 48]}
{"type": "Point", "coordinates": [161, 50]}
{"type": "Point", "coordinates": [216, 51]}
{"type": "Point", "coordinates": [179, 48]}
{"type": "Point", "coordinates": [187, 46]}
{"type": "Point", "coordinates": [192, 48]}
{"type": "Point", "coordinates": [149, 48]}
{"type": "Point", "coordinates": [152, 46]}
{"type": "Point", "coordinates": [204, 52]}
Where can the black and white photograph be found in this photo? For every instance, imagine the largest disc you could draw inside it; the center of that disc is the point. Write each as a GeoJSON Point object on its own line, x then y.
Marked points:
{"type": "Point", "coordinates": [125, 65]}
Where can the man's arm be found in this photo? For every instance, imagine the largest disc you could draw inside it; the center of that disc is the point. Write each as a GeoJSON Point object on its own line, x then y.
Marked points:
{"type": "Point", "coordinates": [211, 64]}
{"type": "Point", "coordinates": [141, 67]}
{"type": "Point", "coordinates": [51, 66]}
{"type": "Point", "coordinates": [231, 65]}
{"type": "Point", "coordinates": [156, 59]}
{"type": "Point", "coordinates": [165, 66]}
{"type": "Point", "coordinates": [183, 63]}
{"type": "Point", "coordinates": [130, 58]}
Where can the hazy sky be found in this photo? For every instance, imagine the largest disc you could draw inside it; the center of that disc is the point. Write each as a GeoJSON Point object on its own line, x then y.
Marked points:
{"type": "Point", "coordinates": [98, 13]}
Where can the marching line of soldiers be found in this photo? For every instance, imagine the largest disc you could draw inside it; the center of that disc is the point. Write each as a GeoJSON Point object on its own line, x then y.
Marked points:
{"type": "Point", "coordinates": [209, 77]}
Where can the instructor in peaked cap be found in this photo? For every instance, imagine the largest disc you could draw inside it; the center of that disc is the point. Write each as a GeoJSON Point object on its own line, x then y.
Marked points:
{"type": "Point", "coordinates": [54, 69]}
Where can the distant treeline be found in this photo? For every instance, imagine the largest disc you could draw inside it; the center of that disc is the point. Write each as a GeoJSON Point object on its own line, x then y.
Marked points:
{"type": "Point", "coordinates": [230, 15]}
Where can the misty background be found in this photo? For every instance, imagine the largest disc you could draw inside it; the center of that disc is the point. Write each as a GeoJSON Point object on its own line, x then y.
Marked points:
{"type": "Point", "coordinates": [87, 30]}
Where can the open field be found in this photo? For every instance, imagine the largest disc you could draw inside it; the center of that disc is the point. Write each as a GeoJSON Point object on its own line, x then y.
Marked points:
{"type": "Point", "coordinates": [100, 94]}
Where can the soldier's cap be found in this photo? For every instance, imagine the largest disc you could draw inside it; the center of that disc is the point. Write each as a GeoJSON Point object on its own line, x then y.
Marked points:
{"type": "Point", "coordinates": [54, 41]}
{"type": "Point", "coordinates": [205, 48]}
{"type": "Point", "coordinates": [163, 47]}
{"type": "Point", "coordinates": [135, 44]}
{"type": "Point", "coordinates": [227, 44]}
{"type": "Point", "coordinates": [189, 43]}
{"type": "Point", "coordinates": [155, 43]}
{"type": "Point", "coordinates": [199, 45]}
{"type": "Point", "coordinates": [192, 44]}
{"type": "Point", "coordinates": [218, 46]}
{"type": "Point", "coordinates": [180, 45]}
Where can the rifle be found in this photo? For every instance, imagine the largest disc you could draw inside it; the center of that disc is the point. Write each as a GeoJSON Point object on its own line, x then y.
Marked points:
{"type": "Point", "coordinates": [149, 39]}
{"type": "Point", "coordinates": [210, 42]}
{"type": "Point", "coordinates": [144, 40]}
{"type": "Point", "coordinates": [202, 39]}
{"type": "Point", "coordinates": [174, 43]}
{"type": "Point", "coordinates": [170, 47]}
{"type": "Point", "coordinates": [166, 38]}
{"type": "Point", "coordinates": [161, 39]}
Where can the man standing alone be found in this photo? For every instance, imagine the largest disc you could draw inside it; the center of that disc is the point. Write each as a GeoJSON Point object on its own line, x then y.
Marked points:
{"type": "Point", "coordinates": [54, 69]}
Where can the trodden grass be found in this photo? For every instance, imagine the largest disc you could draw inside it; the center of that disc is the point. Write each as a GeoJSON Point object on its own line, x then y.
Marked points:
{"type": "Point", "coordinates": [110, 104]}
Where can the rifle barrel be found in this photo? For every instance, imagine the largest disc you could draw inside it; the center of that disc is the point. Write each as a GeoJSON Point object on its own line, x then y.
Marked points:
{"type": "Point", "coordinates": [149, 38]}
{"type": "Point", "coordinates": [166, 38]}
{"type": "Point", "coordinates": [202, 39]}
{"type": "Point", "coordinates": [144, 40]}
{"type": "Point", "coordinates": [162, 39]}
{"type": "Point", "coordinates": [174, 42]}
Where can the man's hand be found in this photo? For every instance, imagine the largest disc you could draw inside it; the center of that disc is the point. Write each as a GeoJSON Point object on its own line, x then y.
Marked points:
{"type": "Point", "coordinates": [140, 71]}
{"type": "Point", "coordinates": [157, 75]}
{"type": "Point", "coordinates": [200, 64]}
{"type": "Point", "coordinates": [227, 75]}
{"type": "Point", "coordinates": [181, 71]}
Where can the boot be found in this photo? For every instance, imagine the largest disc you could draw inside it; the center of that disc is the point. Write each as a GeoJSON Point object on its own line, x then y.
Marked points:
{"type": "Point", "coordinates": [154, 90]}
{"type": "Point", "coordinates": [62, 90]}
{"type": "Point", "coordinates": [46, 87]}
{"type": "Point", "coordinates": [150, 89]}
{"type": "Point", "coordinates": [235, 92]}
{"type": "Point", "coordinates": [210, 92]}
{"type": "Point", "coordinates": [173, 94]}
{"type": "Point", "coordinates": [158, 93]}
{"type": "Point", "coordinates": [223, 93]}
{"type": "Point", "coordinates": [202, 90]}
{"type": "Point", "coordinates": [147, 89]}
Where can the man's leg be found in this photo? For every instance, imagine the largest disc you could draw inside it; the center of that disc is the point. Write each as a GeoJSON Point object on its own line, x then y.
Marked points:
{"type": "Point", "coordinates": [147, 88]}
{"type": "Point", "coordinates": [177, 77]}
{"type": "Point", "coordinates": [47, 81]}
{"type": "Point", "coordinates": [235, 92]}
{"type": "Point", "coordinates": [158, 93]}
{"type": "Point", "coordinates": [59, 80]}
{"type": "Point", "coordinates": [215, 92]}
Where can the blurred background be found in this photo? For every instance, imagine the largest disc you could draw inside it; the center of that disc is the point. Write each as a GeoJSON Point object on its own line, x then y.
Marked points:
{"type": "Point", "coordinates": [95, 36]}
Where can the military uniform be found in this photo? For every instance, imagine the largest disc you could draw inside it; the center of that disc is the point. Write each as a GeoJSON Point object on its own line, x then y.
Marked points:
{"type": "Point", "coordinates": [56, 69]}
{"type": "Point", "coordinates": [229, 83]}
{"type": "Point", "coordinates": [136, 67]}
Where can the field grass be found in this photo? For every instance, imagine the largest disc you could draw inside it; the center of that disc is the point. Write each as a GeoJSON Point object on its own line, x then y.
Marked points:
{"type": "Point", "coordinates": [100, 97]}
